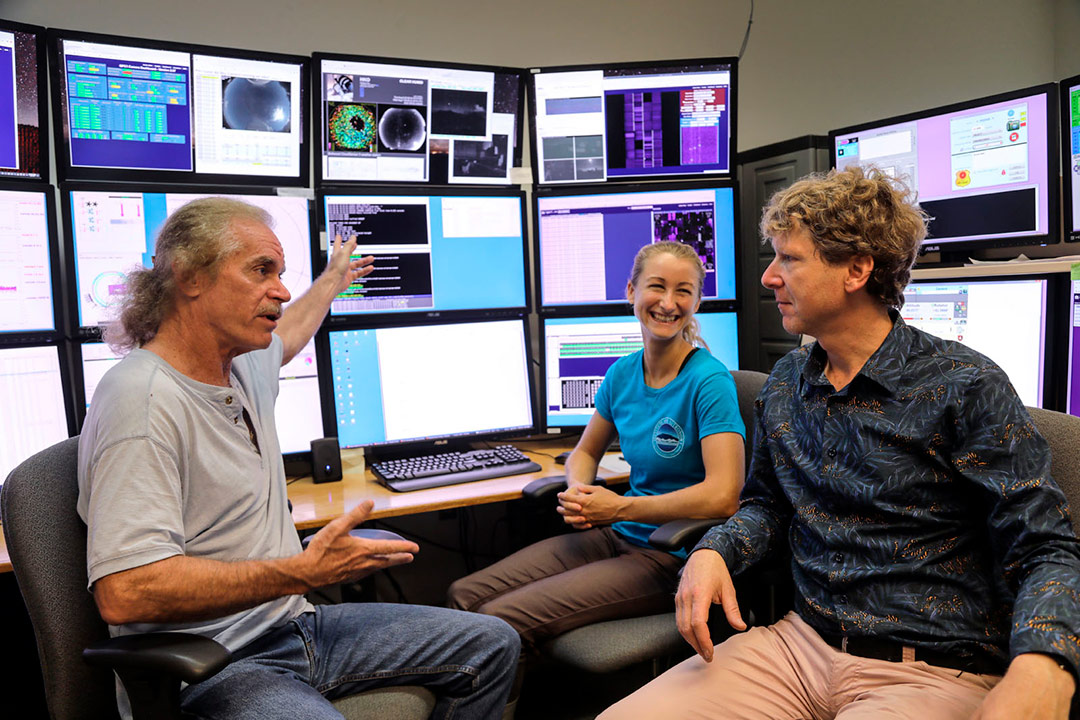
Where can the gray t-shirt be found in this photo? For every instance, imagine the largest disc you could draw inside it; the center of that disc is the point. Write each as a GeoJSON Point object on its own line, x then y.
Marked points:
{"type": "Point", "coordinates": [167, 466]}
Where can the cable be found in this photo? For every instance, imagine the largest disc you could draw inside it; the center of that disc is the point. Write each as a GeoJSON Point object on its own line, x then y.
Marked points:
{"type": "Point", "coordinates": [749, 22]}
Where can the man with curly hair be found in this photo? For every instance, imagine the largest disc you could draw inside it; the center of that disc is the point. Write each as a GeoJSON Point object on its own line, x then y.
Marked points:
{"type": "Point", "coordinates": [936, 572]}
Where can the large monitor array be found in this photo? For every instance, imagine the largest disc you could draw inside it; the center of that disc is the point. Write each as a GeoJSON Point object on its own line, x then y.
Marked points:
{"type": "Point", "coordinates": [986, 170]}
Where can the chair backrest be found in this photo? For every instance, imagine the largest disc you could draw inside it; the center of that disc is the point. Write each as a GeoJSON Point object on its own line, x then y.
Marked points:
{"type": "Point", "coordinates": [1063, 433]}
{"type": "Point", "coordinates": [748, 385]}
{"type": "Point", "coordinates": [46, 540]}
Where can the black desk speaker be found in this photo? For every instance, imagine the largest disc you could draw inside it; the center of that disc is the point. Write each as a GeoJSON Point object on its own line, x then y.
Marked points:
{"type": "Point", "coordinates": [325, 460]}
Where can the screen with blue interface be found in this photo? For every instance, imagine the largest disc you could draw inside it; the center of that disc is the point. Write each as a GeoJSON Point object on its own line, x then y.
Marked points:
{"type": "Point", "coordinates": [30, 380]}
{"type": "Point", "coordinates": [597, 124]}
{"type": "Point", "coordinates": [1070, 141]}
{"type": "Point", "coordinates": [1004, 320]}
{"type": "Point", "coordinates": [414, 383]}
{"type": "Point", "coordinates": [587, 243]}
{"type": "Point", "coordinates": [114, 230]}
{"type": "Point", "coordinates": [578, 352]}
{"type": "Point", "coordinates": [22, 101]}
{"type": "Point", "coordinates": [141, 108]}
{"type": "Point", "coordinates": [432, 252]}
{"type": "Point", "coordinates": [26, 277]}
{"type": "Point", "coordinates": [297, 412]}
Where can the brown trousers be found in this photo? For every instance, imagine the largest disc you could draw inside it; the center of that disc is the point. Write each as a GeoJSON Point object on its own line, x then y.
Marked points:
{"type": "Point", "coordinates": [787, 672]}
{"type": "Point", "coordinates": [568, 581]}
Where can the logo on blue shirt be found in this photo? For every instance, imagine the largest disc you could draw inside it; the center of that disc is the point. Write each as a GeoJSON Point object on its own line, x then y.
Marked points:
{"type": "Point", "coordinates": [668, 438]}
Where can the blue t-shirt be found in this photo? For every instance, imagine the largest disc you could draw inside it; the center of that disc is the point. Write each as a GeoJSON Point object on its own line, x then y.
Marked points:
{"type": "Point", "coordinates": [660, 430]}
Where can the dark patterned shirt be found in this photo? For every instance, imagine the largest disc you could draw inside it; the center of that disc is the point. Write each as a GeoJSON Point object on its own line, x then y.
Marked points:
{"type": "Point", "coordinates": [916, 502]}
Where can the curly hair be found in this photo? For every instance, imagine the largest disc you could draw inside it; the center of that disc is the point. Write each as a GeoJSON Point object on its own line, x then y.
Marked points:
{"type": "Point", "coordinates": [855, 212]}
{"type": "Point", "coordinates": [197, 237]}
{"type": "Point", "coordinates": [692, 332]}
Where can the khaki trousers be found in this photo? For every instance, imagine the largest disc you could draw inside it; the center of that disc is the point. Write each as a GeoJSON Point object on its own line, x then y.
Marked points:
{"type": "Point", "coordinates": [787, 672]}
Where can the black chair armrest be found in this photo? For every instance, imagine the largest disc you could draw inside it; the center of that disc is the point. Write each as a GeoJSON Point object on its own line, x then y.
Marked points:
{"type": "Point", "coordinates": [544, 488]}
{"type": "Point", "coordinates": [183, 656]}
{"type": "Point", "coordinates": [678, 534]}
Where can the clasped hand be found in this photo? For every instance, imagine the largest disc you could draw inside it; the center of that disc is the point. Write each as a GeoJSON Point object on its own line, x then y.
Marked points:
{"type": "Point", "coordinates": [334, 556]}
{"type": "Point", "coordinates": [587, 506]}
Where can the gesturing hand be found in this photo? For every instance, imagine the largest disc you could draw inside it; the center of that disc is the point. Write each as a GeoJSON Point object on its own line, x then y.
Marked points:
{"type": "Point", "coordinates": [334, 556]}
{"type": "Point", "coordinates": [705, 580]}
{"type": "Point", "coordinates": [586, 506]}
{"type": "Point", "coordinates": [343, 267]}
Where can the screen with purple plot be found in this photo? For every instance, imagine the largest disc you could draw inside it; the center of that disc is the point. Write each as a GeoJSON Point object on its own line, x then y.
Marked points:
{"type": "Point", "coordinates": [982, 173]}
{"type": "Point", "coordinates": [624, 122]}
{"type": "Point", "coordinates": [588, 242]}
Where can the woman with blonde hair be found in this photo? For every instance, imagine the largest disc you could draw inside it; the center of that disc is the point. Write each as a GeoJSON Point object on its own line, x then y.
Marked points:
{"type": "Point", "coordinates": [674, 408]}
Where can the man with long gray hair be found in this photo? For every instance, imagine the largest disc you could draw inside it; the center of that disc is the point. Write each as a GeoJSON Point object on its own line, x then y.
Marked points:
{"type": "Point", "coordinates": [182, 487]}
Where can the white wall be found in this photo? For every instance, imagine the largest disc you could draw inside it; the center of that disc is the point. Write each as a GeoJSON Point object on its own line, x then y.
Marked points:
{"type": "Point", "coordinates": [809, 66]}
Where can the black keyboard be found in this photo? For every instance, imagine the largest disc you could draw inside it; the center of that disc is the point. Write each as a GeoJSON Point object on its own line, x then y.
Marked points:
{"type": "Point", "coordinates": [428, 471]}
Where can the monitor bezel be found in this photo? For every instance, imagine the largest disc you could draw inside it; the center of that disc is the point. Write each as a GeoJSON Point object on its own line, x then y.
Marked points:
{"type": "Point", "coordinates": [66, 172]}
{"type": "Point", "coordinates": [542, 420]}
{"type": "Point", "coordinates": [618, 308]}
{"type": "Point", "coordinates": [316, 116]}
{"type": "Point", "coordinates": [733, 122]}
{"type": "Point", "coordinates": [1055, 355]}
{"type": "Point", "coordinates": [382, 319]}
{"type": "Point", "coordinates": [446, 443]}
{"type": "Point", "coordinates": [1067, 232]}
{"type": "Point", "coordinates": [949, 248]}
{"type": "Point", "coordinates": [40, 34]}
{"type": "Point", "coordinates": [93, 332]}
{"type": "Point", "coordinates": [55, 273]}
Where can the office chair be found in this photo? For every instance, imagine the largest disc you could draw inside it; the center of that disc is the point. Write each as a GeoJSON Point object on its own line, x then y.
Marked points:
{"type": "Point", "coordinates": [613, 645]}
{"type": "Point", "coordinates": [46, 540]}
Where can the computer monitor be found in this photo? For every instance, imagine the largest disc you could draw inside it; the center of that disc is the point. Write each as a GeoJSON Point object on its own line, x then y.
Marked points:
{"type": "Point", "coordinates": [390, 120]}
{"type": "Point", "coordinates": [29, 261]}
{"type": "Point", "coordinates": [578, 351]}
{"type": "Point", "coordinates": [592, 123]}
{"type": "Point", "coordinates": [297, 412]}
{"type": "Point", "coordinates": [1070, 151]}
{"type": "Point", "coordinates": [24, 145]}
{"type": "Point", "coordinates": [421, 386]}
{"type": "Point", "coordinates": [32, 383]}
{"type": "Point", "coordinates": [137, 109]}
{"type": "Point", "coordinates": [587, 239]}
{"type": "Point", "coordinates": [440, 254]}
{"type": "Point", "coordinates": [1005, 320]}
{"type": "Point", "coordinates": [986, 171]}
{"type": "Point", "coordinates": [111, 229]}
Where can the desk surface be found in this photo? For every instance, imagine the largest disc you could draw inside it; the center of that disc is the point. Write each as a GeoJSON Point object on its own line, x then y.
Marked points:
{"type": "Point", "coordinates": [315, 505]}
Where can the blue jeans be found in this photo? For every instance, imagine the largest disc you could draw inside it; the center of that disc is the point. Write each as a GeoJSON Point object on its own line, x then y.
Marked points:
{"type": "Point", "coordinates": [467, 660]}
